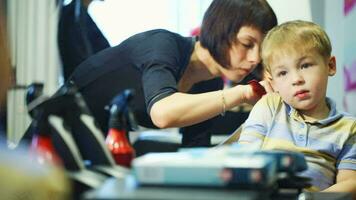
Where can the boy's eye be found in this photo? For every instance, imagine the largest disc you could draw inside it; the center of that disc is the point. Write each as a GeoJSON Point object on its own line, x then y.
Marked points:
{"type": "Point", "coordinates": [306, 65]}
{"type": "Point", "coordinates": [281, 73]}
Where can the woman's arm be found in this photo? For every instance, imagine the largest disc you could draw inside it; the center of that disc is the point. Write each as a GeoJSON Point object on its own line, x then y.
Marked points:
{"type": "Point", "coordinates": [345, 182]}
{"type": "Point", "coordinates": [180, 109]}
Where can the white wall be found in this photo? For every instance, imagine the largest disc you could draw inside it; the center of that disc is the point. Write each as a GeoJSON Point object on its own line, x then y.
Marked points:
{"type": "Point", "coordinates": [32, 27]}
{"type": "Point", "coordinates": [291, 9]}
{"type": "Point", "coordinates": [334, 26]}
{"type": "Point", "coordinates": [119, 19]}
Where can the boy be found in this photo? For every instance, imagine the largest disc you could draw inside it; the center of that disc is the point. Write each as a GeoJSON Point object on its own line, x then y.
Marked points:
{"type": "Point", "coordinates": [298, 116]}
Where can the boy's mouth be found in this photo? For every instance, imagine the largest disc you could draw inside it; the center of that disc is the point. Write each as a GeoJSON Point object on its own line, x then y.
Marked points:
{"type": "Point", "coordinates": [302, 94]}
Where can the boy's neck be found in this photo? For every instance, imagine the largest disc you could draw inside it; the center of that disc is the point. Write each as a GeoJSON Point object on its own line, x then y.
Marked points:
{"type": "Point", "coordinates": [321, 111]}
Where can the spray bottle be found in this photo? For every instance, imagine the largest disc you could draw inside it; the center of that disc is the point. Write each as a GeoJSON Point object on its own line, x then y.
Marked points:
{"type": "Point", "coordinates": [121, 121]}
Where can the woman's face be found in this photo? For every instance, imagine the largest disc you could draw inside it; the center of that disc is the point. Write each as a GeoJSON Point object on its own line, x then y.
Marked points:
{"type": "Point", "coordinates": [244, 54]}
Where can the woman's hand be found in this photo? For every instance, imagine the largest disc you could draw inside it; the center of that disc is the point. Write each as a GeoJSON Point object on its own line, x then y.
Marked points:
{"type": "Point", "coordinates": [255, 90]}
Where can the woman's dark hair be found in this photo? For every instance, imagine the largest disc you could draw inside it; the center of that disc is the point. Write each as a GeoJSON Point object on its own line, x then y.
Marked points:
{"type": "Point", "coordinates": [223, 20]}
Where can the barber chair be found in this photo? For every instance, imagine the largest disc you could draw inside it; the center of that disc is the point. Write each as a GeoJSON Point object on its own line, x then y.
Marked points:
{"type": "Point", "coordinates": [89, 138]}
{"type": "Point", "coordinates": [64, 119]}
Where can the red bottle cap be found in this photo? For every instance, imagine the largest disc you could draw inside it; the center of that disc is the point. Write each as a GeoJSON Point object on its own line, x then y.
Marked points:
{"type": "Point", "coordinates": [257, 87]}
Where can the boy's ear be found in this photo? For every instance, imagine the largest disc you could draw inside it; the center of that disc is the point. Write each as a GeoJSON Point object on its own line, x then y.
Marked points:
{"type": "Point", "coordinates": [268, 77]}
{"type": "Point", "coordinates": [332, 66]}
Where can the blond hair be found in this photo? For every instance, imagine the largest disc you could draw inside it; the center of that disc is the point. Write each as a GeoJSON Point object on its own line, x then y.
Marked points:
{"type": "Point", "coordinates": [295, 35]}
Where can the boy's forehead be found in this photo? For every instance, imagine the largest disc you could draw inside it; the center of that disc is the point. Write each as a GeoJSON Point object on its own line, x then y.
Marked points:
{"type": "Point", "coordinates": [284, 52]}
{"type": "Point", "coordinates": [290, 54]}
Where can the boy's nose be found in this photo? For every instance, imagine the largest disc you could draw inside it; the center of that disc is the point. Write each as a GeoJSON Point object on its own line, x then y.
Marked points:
{"type": "Point", "coordinates": [297, 79]}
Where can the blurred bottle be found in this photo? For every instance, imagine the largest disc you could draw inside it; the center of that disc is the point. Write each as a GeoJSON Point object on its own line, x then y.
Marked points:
{"type": "Point", "coordinates": [43, 149]}
{"type": "Point", "coordinates": [41, 144]}
{"type": "Point", "coordinates": [120, 147]}
{"type": "Point", "coordinates": [120, 123]}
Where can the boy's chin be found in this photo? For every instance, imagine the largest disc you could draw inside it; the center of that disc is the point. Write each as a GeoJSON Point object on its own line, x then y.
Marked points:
{"type": "Point", "coordinates": [305, 108]}
{"type": "Point", "coordinates": [302, 106]}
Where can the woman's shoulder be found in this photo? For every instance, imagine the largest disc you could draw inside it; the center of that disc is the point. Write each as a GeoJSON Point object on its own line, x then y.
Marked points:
{"type": "Point", "coordinates": [159, 40]}
{"type": "Point", "coordinates": [156, 34]}
{"type": "Point", "coordinates": [160, 45]}
{"type": "Point", "coordinates": [161, 31]}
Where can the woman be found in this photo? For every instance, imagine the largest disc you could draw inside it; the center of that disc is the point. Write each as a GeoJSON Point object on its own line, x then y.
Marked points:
{"type": "Point", "coordinates": [177, 79]}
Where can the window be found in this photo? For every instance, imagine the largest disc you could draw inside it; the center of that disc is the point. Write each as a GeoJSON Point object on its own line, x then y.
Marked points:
{"type": "Point", "coordinates": [119, 19]}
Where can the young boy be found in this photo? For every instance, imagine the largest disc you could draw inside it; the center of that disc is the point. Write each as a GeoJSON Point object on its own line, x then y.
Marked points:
{"type": "Point", "coordinates": [298, 116]}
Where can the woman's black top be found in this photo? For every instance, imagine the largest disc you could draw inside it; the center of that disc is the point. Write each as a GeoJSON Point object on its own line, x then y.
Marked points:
{"type": "Point", "coordinates": [151, 63]}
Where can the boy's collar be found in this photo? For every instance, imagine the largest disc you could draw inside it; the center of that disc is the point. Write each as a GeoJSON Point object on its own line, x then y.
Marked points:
{"type": "Point", "coordinates": [333, 114]}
